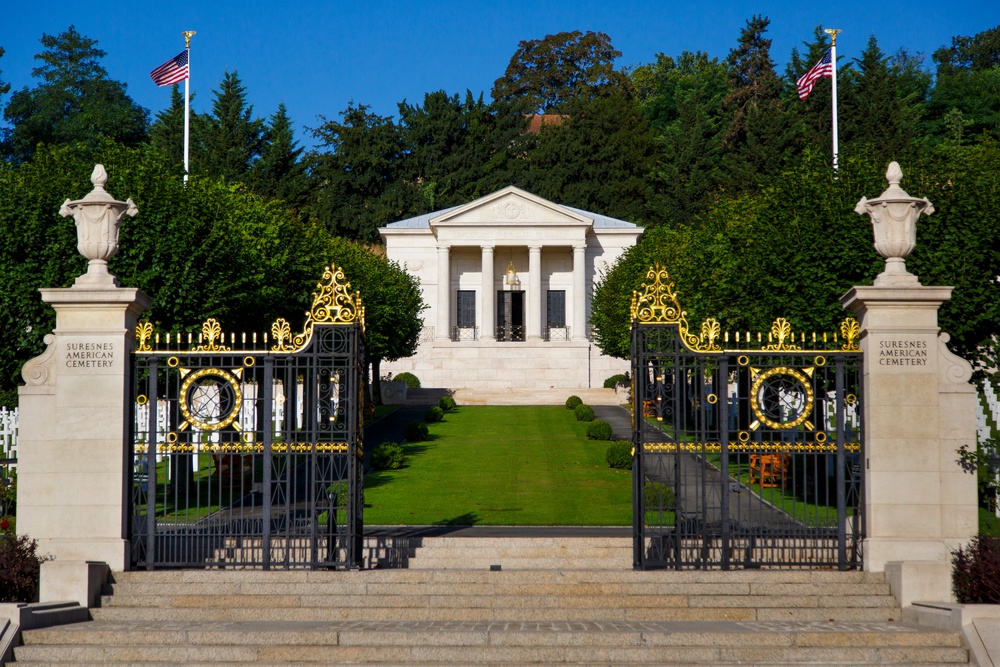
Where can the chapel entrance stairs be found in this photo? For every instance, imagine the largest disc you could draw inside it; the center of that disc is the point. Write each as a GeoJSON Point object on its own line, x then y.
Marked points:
{"type": "Point", "coordinates": [460, 613]}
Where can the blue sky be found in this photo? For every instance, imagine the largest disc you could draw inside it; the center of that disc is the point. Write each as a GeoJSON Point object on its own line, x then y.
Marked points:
{"type": "Point", "coordinates": [316, 56]}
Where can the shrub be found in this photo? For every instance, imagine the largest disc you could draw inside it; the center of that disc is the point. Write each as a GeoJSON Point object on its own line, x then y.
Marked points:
{"type": "Point", "coordinates": [598, 430]}
{"type": "Point", "coordinates": [433, 415]}
{"type": "Point", "coordinates": [572, 402]}
{"type": "Point", "coordinates": [975, 571]}
{"type": "Point", "coordinates": [416, 432]}
{"type": "Point", "coordinates": [584, 413]}
{"type": "Point", "coordinates": [619, 455]}
{"type": "Point", "coordinates": [411, 380]}
{"type": "Point", "coordinates": [620, 380]}
{"type": "Point", "coordinates": [19, 567]}
{"type": "Point", "coordinates": [387, 456]}
{"type": "Point", "coordinates": [447, 403]}
{"type": "Point", "coordinates": [658, 496]}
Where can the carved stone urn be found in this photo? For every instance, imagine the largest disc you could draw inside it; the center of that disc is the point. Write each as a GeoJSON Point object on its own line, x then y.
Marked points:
{"type": "Point", "coordinates": [894, 219]}
{"type": "Point", "coordinates": [98, 218]}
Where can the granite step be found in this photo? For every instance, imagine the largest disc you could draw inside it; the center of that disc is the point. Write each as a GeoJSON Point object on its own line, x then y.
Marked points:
{"type": "Point", "coordinates": [495, 643]}
{"type": "Point", "coordinates": [482, 617]}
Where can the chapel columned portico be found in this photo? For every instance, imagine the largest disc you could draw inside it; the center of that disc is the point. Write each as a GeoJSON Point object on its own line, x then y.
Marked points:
{"type": "Point", "coordinates": [507, 279]}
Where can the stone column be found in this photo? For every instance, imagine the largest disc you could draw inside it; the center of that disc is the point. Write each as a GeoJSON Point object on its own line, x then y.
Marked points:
{"type": "Point", "coordinates": [534, 315]}
{"type": "Point", "coordinates": [489, 293]}
{"type": "Point", "coordinates": [919, 408]}
{"type": "Point", "coordinates": [579, 321]}
{"type": "Point", "coordinates": [443, 295]}
{"type": "Point", "coordinates": [73, 456]}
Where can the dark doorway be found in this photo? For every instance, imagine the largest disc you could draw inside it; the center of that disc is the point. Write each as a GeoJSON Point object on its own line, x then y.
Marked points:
{"type": "Point", "coordinates": [510, 315]}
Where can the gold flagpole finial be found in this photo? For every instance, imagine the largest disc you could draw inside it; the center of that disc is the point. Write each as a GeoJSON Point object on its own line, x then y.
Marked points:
{"type": "Point", "coordinates": [833, 32]}
{"type": "Point", "coordinates": [188, 34]}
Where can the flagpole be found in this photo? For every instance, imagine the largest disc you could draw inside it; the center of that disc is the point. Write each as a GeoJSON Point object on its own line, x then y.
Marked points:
{"type": "Point", "coordinates": [187, 104]}
{"type": "Point", "coordinates": [833, 32]}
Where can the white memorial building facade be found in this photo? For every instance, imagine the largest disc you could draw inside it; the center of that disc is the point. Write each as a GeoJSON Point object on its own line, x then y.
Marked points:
{"type": "Point", "coordinates": [508, 280]}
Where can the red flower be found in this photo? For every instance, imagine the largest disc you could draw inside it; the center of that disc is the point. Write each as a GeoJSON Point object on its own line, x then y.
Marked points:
{"type": "Point", "coordinates": [4, 524]}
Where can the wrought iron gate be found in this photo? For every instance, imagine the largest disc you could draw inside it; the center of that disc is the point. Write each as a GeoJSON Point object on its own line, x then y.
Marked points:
{"type": "Point", "coordinates": [748, 449]}
{"type": "Point", "coordinates": [248, 453]}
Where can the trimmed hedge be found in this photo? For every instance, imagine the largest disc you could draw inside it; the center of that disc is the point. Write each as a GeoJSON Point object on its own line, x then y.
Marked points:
{"type": "Point", "coordinates": [599, 430]}
{"type": "Point", "coordinates": [433, 414]}
{"type": "Point", "coordinates": [620, 380]}
{"type": "Point", "coordinates": [584, 413]}
{"type": "Point", "coordinates": [447, 403]}
{"type": "Point", "coordinates": [387, 456]}
{"type": "Point", "coordinates": [658, 496]}
{"type": "Point", "coordinates": [572, 402]}
{"type": "Point", "coordinates": [416, 432]}
{"type": "Point", "coordinates": [619, 455]}
{"type": "Point", "coordinates": [411, 380]}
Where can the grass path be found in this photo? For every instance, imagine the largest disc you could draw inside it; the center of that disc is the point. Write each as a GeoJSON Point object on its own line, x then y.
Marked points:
{"type": "Point", "coordinates": [502, 465]}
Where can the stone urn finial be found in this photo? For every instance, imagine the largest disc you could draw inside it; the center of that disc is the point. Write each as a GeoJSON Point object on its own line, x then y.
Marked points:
{"type": "Point", "coordinates": [98, 218]}
{"type": "Point", "coordinates": [894, 218]}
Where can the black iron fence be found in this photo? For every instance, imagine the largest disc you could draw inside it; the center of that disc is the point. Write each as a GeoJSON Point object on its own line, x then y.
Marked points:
{"type": "Point", "coordinates": [249, 453]}
{"type": "Point", "coordinates": [748, 449]}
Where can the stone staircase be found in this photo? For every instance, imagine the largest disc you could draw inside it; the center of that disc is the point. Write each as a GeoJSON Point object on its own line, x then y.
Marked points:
{"type": "Point", "coordinates": [451, 608]}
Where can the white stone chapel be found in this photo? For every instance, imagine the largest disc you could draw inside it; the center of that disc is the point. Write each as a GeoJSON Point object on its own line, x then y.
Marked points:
{"type": "Point", "coordinates": [508, 280]}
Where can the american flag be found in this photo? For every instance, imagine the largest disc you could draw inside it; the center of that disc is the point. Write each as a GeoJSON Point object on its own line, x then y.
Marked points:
{"type": "Point", "coordinates": [822, 69]}
{"type": "Point", "coordinates": [173, 71]}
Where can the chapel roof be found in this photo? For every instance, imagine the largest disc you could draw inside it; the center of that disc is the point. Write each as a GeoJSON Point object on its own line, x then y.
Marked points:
{"type": "Point", "coordinates": [600, 221]}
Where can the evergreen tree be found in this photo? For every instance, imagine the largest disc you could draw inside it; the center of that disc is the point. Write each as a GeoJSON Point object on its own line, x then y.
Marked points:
{"type": "Point", "coordinates": [75, 101]}
{"type": "Point", "coordinates": [233, 137]}
{"type": "Point", "coordinates": [756, 134]}
{"type": "Point", "coordinates": [811, 119]}
{"type": "Point", "coordinates": [875, 113]}
{"type": "Point", "coordinates": [279, 172]}
{"type": "Point", "coordinates": [355, 177]}
{"type": "Point", "coordinates": [166, 134]}
{"type": "Point", "coordinates": [683, 99]}
{"type": "Point", "coordinates": [602, 158]}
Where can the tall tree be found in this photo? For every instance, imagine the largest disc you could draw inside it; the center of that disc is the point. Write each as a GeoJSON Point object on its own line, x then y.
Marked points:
{"type": "Point", "coordinates": [755, 137]}
{"type": "Point", "coordinates": [683, 99]}
{"type": "Point", "coordinates": [75, 101]}
{"type": "Point", "coordinates": [876, 113]}
{"type": "Point", "coordinates": [964, 104]}
{"type": "Point", "coordinates": [233, 137]}
{"type": "Point", "coordinates": [811, 119]}
{"type": "Point", "coordinates": [544, 74]}
{"type": "Point", "coordinates": [4, 87]}
{"type": "Point", "coordinates": [279, 172]}
{"type": "Point", "coordinates": [977, 53]}
{"type": "Point", "coordinates": [601, 158]}
{"type": "Point", "coordinates": [392, 301]}
{"type": "Point", "coordinates": [166, 133]}
{"type": "Point", "coordinates": [356, 173]}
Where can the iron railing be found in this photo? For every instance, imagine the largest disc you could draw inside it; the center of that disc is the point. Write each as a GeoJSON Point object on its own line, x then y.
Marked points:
{"type": "Point", "coordinates": [748, 450]}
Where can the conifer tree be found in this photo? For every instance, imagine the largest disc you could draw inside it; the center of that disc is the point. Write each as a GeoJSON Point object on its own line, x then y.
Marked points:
{"type": "Point", "coordinates": [279, 172]}
{"type": "Point", "coordinates": [754, 140]}
{"type": "Point", "coordinates": [166, 134]}
{"type": "Point", "coordinates": [75, 101]}
{"type": "Point", "coordinates": [233, 137]}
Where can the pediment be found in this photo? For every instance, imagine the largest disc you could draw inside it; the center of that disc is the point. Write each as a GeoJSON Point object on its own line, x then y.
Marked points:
{"type": "Point", "coordinates": [511, 207]}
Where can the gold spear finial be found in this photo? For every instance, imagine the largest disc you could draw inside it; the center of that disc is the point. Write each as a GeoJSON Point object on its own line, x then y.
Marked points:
{"type": "Point", "coordinates": [833, 32]}
{"type": "Point", "coordinates": [188, 34]}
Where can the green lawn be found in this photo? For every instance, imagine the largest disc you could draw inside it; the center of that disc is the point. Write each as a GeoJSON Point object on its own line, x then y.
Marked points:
{"type": "Point", "coordinates": [500, 465]}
